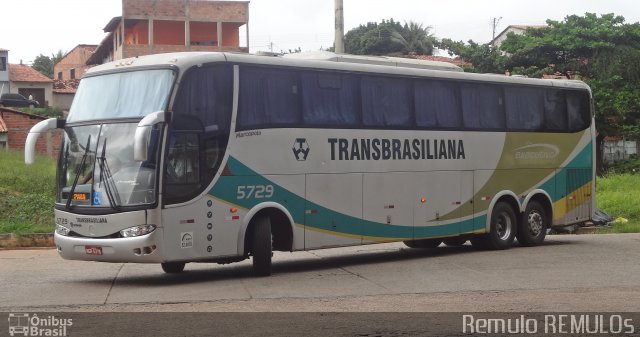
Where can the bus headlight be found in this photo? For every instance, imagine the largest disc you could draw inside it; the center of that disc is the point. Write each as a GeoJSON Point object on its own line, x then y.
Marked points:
{"type": "Point", "coordinates": [137, 231]}
{"type": "Point", "coordinates": [61, 230]}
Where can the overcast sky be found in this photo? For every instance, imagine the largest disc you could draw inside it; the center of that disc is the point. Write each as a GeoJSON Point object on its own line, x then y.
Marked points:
{"type": "Point", "coordinates": [33, 27]}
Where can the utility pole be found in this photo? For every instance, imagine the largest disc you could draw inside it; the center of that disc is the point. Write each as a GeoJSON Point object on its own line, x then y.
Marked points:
{"type": "Point", "coordinates": [496, 21]}
{"type": "Point", "coordinates": [339, 40]}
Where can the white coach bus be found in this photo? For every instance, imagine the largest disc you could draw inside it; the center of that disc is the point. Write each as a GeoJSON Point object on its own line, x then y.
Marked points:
{"type": "Point", "coordinates": [214, 157]}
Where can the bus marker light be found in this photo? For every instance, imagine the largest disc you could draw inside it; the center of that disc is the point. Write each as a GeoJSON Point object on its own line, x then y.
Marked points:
{"type": "Point", "coordinates": [311, 211]}
{"type": "Point", "coordinates": [389, 207]}
{"type": "Point", "coordinates": [182, 222]}
{"type": "Point", "coordinates": [456, 203]}
{"type": "Point", "coordinates": [423, 200]}
{"type": "Point", "coordinates": [234, 217]}
{"type": "Point", "coordinates": [234, 210]}
{"type": "Point", "coordinates": [485, 198]}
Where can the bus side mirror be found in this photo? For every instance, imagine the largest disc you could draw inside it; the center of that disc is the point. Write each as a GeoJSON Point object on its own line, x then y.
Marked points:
{"type": "Point", "coordinates": [143, 132]}
{"type": "Point", "coordinates": [34, 133]}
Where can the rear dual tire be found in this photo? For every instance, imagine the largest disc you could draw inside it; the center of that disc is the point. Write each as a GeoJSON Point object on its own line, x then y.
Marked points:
{"type": "Point", "coordinates": [502, 232]}
{"type": "Point", "coordinates": [533, 226]}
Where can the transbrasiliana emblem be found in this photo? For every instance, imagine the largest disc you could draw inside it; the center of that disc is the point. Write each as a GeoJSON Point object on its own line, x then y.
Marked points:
{"type": "Point", "coordinates": [301, 149]}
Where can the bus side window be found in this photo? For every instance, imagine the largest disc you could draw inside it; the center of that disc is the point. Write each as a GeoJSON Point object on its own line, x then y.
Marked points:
{"type": "Point", "coordinates": [387, 101]}
{"type": "Point", "coordinates": [524, 107]}
{"type": "Point", "coordinates": [268, 97]}
{"type": "Point", "coordinates": [482, 106]}
{"type": "Point", "coordinates": [329, 99]}
{"type": "Point", "coordinates": [555, 110]}
{"type": "Point", "coordinates": [578, 111]}
{"type": "Point", "coordinates": [437, 105]}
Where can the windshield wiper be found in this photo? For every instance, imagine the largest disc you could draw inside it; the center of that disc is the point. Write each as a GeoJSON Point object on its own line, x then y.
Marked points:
{"type": "Point", "coordinates": [105, 172]}
{"type": "Point", "coordinates": [79, 170]}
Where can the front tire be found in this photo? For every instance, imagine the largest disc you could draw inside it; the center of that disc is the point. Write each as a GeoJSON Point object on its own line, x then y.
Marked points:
{"type": "Point", "coordinates": [534, 224]}
{"type": "Point", "coordinates": [423, 243]}
{"type": "Point", "coordinates": [503, 229]}
{"type": "Point", "coordinates": [173, 267]}
{"type": "Point", "coordinates": [262, 247]}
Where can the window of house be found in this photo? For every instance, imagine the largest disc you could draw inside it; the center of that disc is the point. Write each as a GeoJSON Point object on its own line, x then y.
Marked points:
{"type": "Point", "coordinates": [60, 75]}
{"type": "Point", "coordinates": [72, 74]}
{"type": "Point", "coordinates": [3, 63]}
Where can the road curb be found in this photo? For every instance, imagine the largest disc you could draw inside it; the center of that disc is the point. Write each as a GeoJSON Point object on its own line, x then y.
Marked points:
{"type": "Point", "coordinates": [15, 241]}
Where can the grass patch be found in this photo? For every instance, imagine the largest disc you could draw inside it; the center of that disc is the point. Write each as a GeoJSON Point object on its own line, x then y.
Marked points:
{"type": "Point", "coordinates": [619, 195]}
{"type": "Point", "coordinates": [28, 194]}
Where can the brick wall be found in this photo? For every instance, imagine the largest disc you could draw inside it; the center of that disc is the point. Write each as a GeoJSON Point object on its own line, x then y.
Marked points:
{"type": "Point", "coordinates": [19, 125]}
{"type": "Point", "coordinates": [196, 10]}
{"type": "Point", "coordinates": [76, 59]}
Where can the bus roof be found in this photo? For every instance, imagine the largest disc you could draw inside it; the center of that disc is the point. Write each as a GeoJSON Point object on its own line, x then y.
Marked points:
{"type": "Point", "coordinates": [386, 65]}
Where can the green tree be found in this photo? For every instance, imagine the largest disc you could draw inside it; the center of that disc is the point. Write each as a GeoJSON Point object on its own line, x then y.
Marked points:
{"type": "Point", "coordinates": [44, 64]}
{"type": "Point", "coordinates": [373, 39]}
{"type": "Point", "coordinates": [483, 57]}
{"type": "Point", "coordinates": [415, 38]}
{"type": "Point", "coordinates": [604, 51]}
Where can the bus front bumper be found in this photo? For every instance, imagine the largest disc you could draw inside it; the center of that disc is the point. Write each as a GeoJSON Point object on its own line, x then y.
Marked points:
{"type": "Point", "coordinates": [142, 249]}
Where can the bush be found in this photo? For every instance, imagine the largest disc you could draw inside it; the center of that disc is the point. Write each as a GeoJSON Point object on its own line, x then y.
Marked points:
{"type": "Point", "coordinates": [52, 112]}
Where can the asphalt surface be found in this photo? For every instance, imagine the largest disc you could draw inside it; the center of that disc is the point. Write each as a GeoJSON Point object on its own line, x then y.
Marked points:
{"type": "Point", "coordinates": [568, 273]}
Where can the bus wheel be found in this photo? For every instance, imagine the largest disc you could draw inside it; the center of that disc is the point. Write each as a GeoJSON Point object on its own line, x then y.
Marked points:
{"type": "Point", "coordinates": [261, 247]}
{"type": "Point", "coordinates": [502, 231]}
{"type": "Point", "coordinates": [173, 267]}
{"type": "Point", "coordinates": [424, 243]}
{"type": "Point", "coordinates": [455, 242]}
{"type": "Point", "coordinates": [533, 227]}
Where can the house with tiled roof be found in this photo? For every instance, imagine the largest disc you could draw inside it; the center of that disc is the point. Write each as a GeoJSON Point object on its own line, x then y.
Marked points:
{"type": "Point", "coordinates": [516, 29]}
{"type": "Point", "coordinates": [27, 81]}
{"type": "Point", "coordinates": [74, 63]}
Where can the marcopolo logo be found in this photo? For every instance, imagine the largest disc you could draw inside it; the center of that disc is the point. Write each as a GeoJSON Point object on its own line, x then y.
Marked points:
{"type": "Point", "coordinates": [537, 151]}
{"type": "Point", "coordinates": [301, 149]}
{"type": "Point", "coordinates": [21, 324]}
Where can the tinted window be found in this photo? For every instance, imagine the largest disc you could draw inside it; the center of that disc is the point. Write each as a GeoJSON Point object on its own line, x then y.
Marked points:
{"type": "Point", "coordinates": [329, 99]}
{"type": "Point", "coordinates": [437, 105]}
{"type": "Point", "coordinates": [268, 97]}
{"type": "Point", "coordinates": [555, 110]}
{"type": "Point", "coordinates": [207, 94]}
{"type": "Point", "coordinates": [482, 106]}
{"type": "Point", "coordinates": [578, 110]}
{"type": "Point", "coordinates": [386, 102]}
{"type": "Point", "coordinates": [524, 108]}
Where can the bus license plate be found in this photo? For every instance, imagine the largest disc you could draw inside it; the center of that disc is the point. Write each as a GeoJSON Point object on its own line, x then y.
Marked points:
{"type": "Point", "coordinates": [93, 250]}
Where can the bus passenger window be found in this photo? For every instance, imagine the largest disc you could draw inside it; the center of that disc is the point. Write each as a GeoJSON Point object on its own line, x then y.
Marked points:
{"type": "Point", "coordinates": [482, 107]}
{"type": "Point", "coordinates": [329, 99]}
{"type": "Point", "coordinates": [578, 110]}
{"type": "Point", "coordinates": [555, 110]}
{"type": "Point", "coordinates": [437, 105]}
{"type": "Point", "coordinates": [387, 102]}
{"type": "Point", "coordinates": [524, 108]}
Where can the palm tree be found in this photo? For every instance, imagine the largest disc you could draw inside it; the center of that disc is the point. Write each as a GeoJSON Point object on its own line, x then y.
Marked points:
{"type": "Point", "coordinates": [415, 38]}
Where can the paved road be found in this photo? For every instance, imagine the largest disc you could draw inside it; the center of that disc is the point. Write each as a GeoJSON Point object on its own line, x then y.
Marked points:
{"type": "Point", "coordinates": [568, 273]}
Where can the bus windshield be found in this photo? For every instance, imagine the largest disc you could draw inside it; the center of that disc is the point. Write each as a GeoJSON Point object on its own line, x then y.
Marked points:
{"type": "Point", "coordinates": [97, 169]}
{"type": "Point", "coordinates": [121, 95]}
